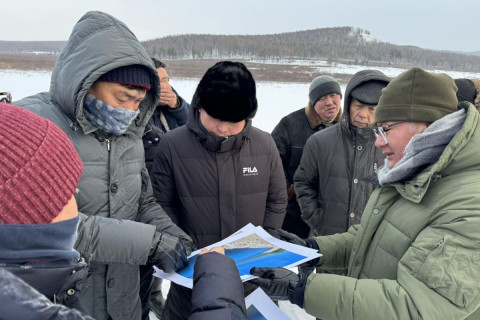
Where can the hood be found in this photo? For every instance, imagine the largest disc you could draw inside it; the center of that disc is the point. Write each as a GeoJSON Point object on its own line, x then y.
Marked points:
{"type": "Point", "coordinates": [356, 80]}
{"type": "Point", "coordinates": [99, 43]}
{"type": "Point", "coordinates": [476, 83]}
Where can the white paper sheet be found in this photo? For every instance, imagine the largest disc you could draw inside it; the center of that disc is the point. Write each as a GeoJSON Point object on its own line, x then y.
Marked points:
{"type": "Point", "coordinates": [250, 247]}
{"type": "Point", "coordinates": [260, 306]}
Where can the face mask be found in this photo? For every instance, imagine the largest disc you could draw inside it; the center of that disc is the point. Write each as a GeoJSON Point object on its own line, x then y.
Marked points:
{"type": "Point", "coordinates": [105, 117]}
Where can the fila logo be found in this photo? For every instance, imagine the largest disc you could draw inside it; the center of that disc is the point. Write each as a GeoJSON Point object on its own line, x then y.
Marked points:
{"type": "Point", "coordinates": [249, 171]}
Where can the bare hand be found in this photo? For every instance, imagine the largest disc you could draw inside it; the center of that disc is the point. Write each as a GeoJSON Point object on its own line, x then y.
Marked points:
{"type": "Point", "coordinates": [220, 250]}
{"type": "Point", "coordinates": [167, 97]}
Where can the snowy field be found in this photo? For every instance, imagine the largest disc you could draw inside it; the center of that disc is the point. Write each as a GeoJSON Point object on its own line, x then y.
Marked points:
{"type": "Point", "coordinates": [275, 100]}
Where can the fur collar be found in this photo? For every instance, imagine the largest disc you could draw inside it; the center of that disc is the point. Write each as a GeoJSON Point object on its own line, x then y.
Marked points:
{"type": "Point", "coordinates": [476, 83]}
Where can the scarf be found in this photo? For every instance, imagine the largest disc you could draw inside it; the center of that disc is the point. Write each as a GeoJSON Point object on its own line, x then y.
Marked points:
{"type": "Point", "coordinates": [38, 243]}
{"type": "Point", "coordinates": [107, 118]}
{"type": "Point", "coordinates": [423, 149]}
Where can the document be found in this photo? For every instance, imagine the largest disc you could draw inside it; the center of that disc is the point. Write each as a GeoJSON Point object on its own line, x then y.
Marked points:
{"type": "Point", "coordinates": [260, 306]}
{"type": "Point", "coordinates": [249, 247]}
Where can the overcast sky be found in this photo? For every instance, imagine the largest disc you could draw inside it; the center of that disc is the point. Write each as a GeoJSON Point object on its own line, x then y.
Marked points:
{"type": "Point", "coordinates": [434, 24]}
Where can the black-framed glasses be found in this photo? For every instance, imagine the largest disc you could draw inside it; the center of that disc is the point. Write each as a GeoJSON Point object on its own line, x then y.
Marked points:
{"type": "Point", "coordinates": [382, 131]}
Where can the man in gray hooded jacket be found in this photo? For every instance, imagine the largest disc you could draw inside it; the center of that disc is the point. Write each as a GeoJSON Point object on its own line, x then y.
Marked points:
{"type": "Point", "coordinates": [103, 90]}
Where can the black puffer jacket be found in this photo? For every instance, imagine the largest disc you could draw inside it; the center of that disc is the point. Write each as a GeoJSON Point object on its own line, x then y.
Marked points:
{"type": "Point", "coordinates": [330, 182]}
{"type": "Point", "coordinates": [19, 300]}
{"type": "Point", "coordinates": [212, 187]}
{"type": "Point", "coordinates": [290, 136]}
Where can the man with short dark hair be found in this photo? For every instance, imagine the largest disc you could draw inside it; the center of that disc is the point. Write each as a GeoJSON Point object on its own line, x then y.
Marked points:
{"type": "Point", "coordinates": [415, 253]}
{"type": "Point", "coordinates": [171, 112]}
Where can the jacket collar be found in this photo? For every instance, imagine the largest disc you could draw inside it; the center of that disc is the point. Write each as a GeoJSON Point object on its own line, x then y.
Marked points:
{"type": "Point", "coordinates": [315, 120]}
{"type": "Point", "coordinates": [416, 188]}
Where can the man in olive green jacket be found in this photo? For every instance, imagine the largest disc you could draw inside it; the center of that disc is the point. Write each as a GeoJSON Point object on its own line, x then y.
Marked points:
{"type": "Point", "coordinates": [415, 254]}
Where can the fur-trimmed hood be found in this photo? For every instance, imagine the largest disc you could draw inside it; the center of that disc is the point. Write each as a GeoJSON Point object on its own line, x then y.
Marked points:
{"type": "Point", "coordinates": [476, 102]}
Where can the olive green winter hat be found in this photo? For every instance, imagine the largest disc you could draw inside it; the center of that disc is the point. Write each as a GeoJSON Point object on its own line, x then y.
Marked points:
{"type": "Point", "coordinates": [417, 96]}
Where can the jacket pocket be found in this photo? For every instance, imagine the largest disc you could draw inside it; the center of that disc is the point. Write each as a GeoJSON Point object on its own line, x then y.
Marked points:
{"type": "Point", "coordinates": [449, 269]}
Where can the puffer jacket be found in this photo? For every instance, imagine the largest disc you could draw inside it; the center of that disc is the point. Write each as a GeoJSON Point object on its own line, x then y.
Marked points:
{"type": "Point", "coordinates": [290, 136]}
{"type": "Point", "coordinates": [212, 187]}
{"type": "Point", "coordinates": [119, 214]}
{"type": "Point", "coordinates": [415, 254]}
{"type": "Point", "coordinates": [217, 292]}
{"type": "Point", "coordinates": [19, 300]}
{"type": "Point", "coordinates": [330, 182]}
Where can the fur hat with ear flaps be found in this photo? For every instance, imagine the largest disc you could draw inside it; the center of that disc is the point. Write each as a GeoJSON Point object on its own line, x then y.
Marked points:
{"type": "Point", "coordinates": [227, 92]}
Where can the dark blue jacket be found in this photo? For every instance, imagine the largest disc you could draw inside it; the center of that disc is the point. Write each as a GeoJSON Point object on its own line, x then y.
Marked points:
{"type": "Point", "coordinates": [34, 300]}
{"type": "Point", "coordinates": [217, 289]}
{"type": "Point", "coordinates": [155, 129]}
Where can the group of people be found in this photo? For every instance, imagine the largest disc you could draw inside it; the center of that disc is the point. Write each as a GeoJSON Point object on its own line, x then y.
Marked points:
{"type": "Point", "coordinates": [112, 172]}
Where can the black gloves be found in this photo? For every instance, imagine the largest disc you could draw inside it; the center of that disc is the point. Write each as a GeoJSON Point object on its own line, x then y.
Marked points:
{"type": "Point", "coordinates": [291, 237]}
{"type": "Point", "coordinates": [168, 252]}
{"type": "Point", "coordinates": [307, 267]}
{"type": "Point", "coordinates": [281, 284]}
{"type": "Point", "coordinates": [188, 243]}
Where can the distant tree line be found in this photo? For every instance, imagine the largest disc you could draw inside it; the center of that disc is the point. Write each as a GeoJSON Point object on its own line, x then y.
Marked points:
{"type": "Point", "coordinates": [342, 44]}
{"type": "Point", "coordinates": [50, 47]}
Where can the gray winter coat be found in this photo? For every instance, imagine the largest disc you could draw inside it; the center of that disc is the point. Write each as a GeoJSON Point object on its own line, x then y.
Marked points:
{"type": "Point", "coordinates": [330, 182]}
{"type": "Point", "coordinates": [120, 214]}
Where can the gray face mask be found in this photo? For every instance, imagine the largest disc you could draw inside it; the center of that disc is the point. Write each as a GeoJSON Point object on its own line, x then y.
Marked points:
{"type": "Point", "coordinates": [107, 118]}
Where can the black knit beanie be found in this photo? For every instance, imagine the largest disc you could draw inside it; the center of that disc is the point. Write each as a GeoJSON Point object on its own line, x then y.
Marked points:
{"type": "Point", "coordinates": [134, 75]}
{"type": "Point", "coordinates": [227, 92]}
{"type": "Point", "coordinates": [321, 86]}
{"type": "Point", "coordinates": [417, 96]}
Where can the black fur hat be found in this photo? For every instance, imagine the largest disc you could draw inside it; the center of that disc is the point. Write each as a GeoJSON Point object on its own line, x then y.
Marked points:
{"type": "Point", "coordinates": [227, 92]}
{"type": "Point", "coordinates": [466, 90]}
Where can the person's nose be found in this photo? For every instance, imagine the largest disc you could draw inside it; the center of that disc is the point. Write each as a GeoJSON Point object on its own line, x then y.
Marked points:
{"type": "Point", "coordinates": [363, 113]}
{"type": "Point", "coordinates": [222, 127]}
{"type": "Point", "coordinates": [379, 143]}
{"type": "Point", "coordinates": [328, 100]}
{"type": "Point", "coordinates": [164, 85]}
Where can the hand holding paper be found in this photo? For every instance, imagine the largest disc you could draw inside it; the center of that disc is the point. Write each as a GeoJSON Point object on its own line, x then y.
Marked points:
{"type": "Point", "coordinates": [249, 247]}
{"type": "Point", "coordinates": [168, 253]}
{"type": "Point", "coordinates": [280, 284]}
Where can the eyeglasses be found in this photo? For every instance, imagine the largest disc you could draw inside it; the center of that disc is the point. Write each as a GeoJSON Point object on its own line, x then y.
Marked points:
{"type": "Point", "coordinates": [382, 131]}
